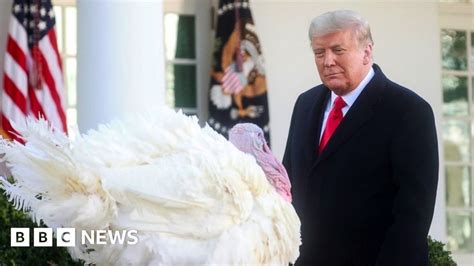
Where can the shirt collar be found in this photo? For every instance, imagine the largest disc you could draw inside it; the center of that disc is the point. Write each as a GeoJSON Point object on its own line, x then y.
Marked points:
{"type": "Point", "coordinates": [351, 97]}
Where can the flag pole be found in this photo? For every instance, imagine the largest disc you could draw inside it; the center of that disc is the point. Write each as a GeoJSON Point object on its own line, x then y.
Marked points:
{"type": "Point", "coordinates": [238, 53]}
{"type": "Point", "coordinates": [36, 75]}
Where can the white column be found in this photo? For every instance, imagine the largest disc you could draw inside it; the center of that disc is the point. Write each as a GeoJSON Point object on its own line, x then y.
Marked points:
{"type": "Point", "coordinates": [120, 59]}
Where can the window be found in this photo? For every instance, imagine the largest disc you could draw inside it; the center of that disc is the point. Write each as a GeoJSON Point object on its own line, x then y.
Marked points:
{"type": "Point", "coordinates": [187, 29]}
{"type": "Point", "coordinates": [180, 50]}
{"type": "Point", "coordinates": [66, 31]}
{"type": "Point", "coordinates": [457, 63]}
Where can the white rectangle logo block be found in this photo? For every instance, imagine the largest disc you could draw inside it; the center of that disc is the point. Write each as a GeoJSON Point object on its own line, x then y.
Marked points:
{"type": "Point", "coordinates": [19, 237]}
{"type": "Point", "coordinates": [66, 237]}
{"type": "Point", "coordinates": [43, 237]}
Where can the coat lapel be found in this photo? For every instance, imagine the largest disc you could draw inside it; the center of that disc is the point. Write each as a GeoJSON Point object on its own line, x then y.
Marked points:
{"type": "Point", "coordinates": [359, 113]}
{"type": "Point", "coordinates": [315, 118]}
{"type": "Point", "coordinates": [308, 141]}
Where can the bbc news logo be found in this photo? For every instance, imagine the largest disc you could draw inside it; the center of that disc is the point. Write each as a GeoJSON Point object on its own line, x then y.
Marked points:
{"type": "Point", "coordinates": [66, 237]}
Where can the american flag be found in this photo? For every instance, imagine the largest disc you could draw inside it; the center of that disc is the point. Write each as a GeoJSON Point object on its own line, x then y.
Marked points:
{"type": "Point", "coordinates": [33, 79]}
{"type": "Point", "coordinates": [231, 83]}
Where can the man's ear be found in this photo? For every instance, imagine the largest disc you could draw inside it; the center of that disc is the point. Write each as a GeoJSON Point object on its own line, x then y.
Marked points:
{"type": "Point", "coordinates": [368, 54]}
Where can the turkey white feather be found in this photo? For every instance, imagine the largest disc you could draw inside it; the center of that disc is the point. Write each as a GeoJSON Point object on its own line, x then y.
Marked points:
{"type": "Point", "coordinates": [192, 196]}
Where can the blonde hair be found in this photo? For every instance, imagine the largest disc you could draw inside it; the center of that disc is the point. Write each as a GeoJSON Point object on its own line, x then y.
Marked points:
{"type": "Point", "coordinates": [340, 20]}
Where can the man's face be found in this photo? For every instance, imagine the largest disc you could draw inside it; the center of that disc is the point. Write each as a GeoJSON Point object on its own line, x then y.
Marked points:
{"type": "Point", "coordinates": [341, 61]}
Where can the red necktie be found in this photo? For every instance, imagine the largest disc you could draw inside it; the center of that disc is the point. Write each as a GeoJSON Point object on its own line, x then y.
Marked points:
{"type": "Point", "coordinates": [334, 118]}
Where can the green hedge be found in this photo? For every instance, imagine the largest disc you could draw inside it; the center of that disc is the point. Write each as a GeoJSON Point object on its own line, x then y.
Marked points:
{"type": "Point", "coordinates": [438, 255]}
{"type": "Point", "coordinates": [9, 217]}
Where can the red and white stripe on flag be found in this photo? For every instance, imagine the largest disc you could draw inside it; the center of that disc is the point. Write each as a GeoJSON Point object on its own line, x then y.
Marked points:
{"type": "Point", "coordinates": [32, 54]}
{"type": "Point", "coordinates": [231, 83]}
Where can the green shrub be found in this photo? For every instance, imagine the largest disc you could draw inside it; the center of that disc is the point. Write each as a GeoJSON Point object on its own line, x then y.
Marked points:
{"type": "Point", "coordinates": [438, 255]}
{"type": "Point", "coordinates": [9, 217]}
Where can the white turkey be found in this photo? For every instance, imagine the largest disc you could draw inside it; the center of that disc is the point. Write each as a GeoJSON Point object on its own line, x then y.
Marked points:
{"type": "Point", "coordinates": [192, 196]}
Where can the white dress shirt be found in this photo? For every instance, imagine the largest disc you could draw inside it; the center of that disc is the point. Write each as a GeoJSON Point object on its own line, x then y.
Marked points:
{"type": "Point", "coordinates": [349, 98]}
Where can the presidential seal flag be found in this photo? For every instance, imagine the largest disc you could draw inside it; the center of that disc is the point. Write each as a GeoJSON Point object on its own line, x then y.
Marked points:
{"type": "Point", "coordinates": [238, 90]}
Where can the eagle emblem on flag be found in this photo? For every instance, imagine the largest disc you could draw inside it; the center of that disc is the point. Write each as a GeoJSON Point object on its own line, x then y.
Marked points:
{"type": "Point", "coordinates": [238, 90]}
